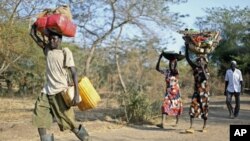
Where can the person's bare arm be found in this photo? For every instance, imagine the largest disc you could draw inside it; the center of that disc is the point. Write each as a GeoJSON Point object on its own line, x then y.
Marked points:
{"type": "Point", "coordinates": [225, 91]}
{"type": "Point", "coordinates": [36, 38]}
{"type": "Point", "coordinates": [205, 71]}
{"type": "Point", "coordinates": [75, 81]}
{"type": "Point", "coordinates": [193, 65]}
{"type": "Point", "coordinates": [158, 64]}
{"type": "Point", "coordinates": [242, 87]}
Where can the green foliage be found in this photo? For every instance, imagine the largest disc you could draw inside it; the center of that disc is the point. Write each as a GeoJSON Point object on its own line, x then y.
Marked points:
{"type": "Point", "coordinates": [137, 55]}
{"type": "Point", "coordinates": [234, 26]}
{"type": "Point", "coordinates": [137, 106]}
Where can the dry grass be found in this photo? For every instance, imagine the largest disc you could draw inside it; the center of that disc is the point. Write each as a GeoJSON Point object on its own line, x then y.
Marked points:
{"type": "Point", "coordinates": [14, 109]}
{"type": "Point", "coordinates": [16, 113]}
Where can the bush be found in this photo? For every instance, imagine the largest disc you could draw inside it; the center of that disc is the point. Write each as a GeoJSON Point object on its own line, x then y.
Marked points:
{"type": "Point", "coordinates": [136, 106]}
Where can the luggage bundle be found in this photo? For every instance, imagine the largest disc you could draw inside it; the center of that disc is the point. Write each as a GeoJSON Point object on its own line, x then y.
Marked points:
{"type": "Point", "coordinates": [201, 42]}
{"type": "Point", "coordinates": [58, 20]}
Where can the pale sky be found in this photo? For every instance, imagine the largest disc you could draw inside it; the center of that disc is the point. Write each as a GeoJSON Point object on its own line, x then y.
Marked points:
{"type": "Point", "coordinates": [195, 8]}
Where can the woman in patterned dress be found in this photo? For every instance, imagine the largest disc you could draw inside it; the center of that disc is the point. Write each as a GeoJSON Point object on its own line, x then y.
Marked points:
{"type": "Point", "coordinates": [172, 104]}
{"type": "Point", "coordinates": [200, 98]}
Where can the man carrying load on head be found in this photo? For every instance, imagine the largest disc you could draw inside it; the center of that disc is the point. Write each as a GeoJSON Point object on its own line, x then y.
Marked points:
{"type": "Point", "coordinates": [50, 104]}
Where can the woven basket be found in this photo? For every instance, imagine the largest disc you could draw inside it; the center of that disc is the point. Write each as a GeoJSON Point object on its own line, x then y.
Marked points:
{"type": "Point", "coordinates": [202, 43]}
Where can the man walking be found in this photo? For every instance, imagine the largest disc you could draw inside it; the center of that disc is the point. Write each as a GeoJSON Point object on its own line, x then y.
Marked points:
{"type": "Point", "coordinates": [50, 104]}
{"type": "Point", "coordinates": [233, 87]}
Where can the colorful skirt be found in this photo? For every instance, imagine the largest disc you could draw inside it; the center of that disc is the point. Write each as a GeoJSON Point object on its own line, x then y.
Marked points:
{"type": "Point", "coordinates": [199, 105]}
{"type": "Point", "coordinates": [172, 106]}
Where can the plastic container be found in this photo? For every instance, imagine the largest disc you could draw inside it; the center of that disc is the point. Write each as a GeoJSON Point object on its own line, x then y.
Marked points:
{"type": "Point", "coordinates": [90, 97]}
{"type": "Point", "coordinates": [69, 95]}
{"type": "Point", "coordinates": [61, 25]}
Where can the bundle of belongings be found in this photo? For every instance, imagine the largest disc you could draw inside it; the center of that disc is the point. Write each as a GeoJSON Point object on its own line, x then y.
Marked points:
{"type": "Point", "coordinates": [172, 55]}
{"type": "Point", "coordinates": [58, 20]}
{"type": "Point", "coordinates": [201, 42]}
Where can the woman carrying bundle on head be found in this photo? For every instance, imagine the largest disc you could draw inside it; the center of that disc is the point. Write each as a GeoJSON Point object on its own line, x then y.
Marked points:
{"type": "Point", "coordinates": [172, 103]}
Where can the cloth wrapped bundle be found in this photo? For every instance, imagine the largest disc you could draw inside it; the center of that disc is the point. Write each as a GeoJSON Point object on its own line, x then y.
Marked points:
{"type": "Point", "coordinates": [61, 24]}
{"type": "Point", "coordinates": [58, 20]}
{"type": "Point", "coordinates": [64, 10]}
{"type": "Point", "coordinates": [203, 42]}
{"type": "Point", "coordinates": [41, 24]}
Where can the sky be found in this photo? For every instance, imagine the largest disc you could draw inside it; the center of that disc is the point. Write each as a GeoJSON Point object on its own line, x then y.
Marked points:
{"type": "Point", "coordinates": [195, 8]}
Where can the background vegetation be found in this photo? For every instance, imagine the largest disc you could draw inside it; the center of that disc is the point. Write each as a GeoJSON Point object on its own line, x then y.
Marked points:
{"type": "Point", "coordinates": [117, 46]}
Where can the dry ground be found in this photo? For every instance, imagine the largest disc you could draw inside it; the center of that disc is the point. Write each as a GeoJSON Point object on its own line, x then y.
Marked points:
{"type": "Point", "coordinates": [15, 123]}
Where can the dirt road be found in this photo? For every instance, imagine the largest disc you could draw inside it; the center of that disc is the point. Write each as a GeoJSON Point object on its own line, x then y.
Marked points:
{"type": "Point", "coordinates": [15, 124]}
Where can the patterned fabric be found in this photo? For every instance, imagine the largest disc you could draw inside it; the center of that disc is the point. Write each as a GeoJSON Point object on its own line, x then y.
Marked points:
{"type": "Point", "coordinates": [172, 103]}
{"type": "Point", "coordinates": [200, 102]}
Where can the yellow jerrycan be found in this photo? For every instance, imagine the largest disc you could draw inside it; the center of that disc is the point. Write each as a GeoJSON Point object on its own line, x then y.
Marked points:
{"type": "Point", "coordinates": [88, 94]}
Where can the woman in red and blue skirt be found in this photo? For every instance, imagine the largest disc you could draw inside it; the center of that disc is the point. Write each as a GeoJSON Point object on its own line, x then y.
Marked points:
{"type": "Point", "coordinates": [172, 103]}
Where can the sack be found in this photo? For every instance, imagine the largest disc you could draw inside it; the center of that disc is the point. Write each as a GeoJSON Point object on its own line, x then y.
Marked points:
{"type": "Point", "coordinates": [68, 96]}
{"type": "Point", "coordinates": [64, 10]}
{"type": "Point", "coordinates": [41, 24]}
{"type": "Point", "coordinates": [61, 24]}
{"type": "Point", "coordinates": [45, 12]}
{"type": "Point", "coordinates": [58, 20]}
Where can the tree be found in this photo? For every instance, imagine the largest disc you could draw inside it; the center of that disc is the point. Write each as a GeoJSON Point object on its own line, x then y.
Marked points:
{"type": "Point", "coordinates": [234, 27]}
{"type": "Point", "coordinates": [16, 47]}
{"type": "Point", "coordinates": [99, 21]}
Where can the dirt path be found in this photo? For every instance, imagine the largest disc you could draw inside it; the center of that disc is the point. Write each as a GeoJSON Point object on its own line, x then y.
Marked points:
{"type": "Point", "coordinates": [15, 124]}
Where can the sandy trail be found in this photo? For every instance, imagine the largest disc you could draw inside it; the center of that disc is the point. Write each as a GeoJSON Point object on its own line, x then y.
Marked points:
{"type": "Point", "coordinates": [15, 124]}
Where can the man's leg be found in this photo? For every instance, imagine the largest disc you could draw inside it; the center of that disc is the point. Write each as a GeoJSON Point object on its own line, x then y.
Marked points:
{"type": "Point", "coordinates": [237, 104]}
{"type": "Point", "coordinates": [41, 131]}
{"type": "Point", "coordinates": [44, 136]}
{"type": "Point", "coordinates": [229, 104]}
{"type": "Point", "coordinates": [65, 117]}
{"type": "Point", "coordinates": [42, 118]}
{"type": "Point", "coordinates": [81, 133]}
